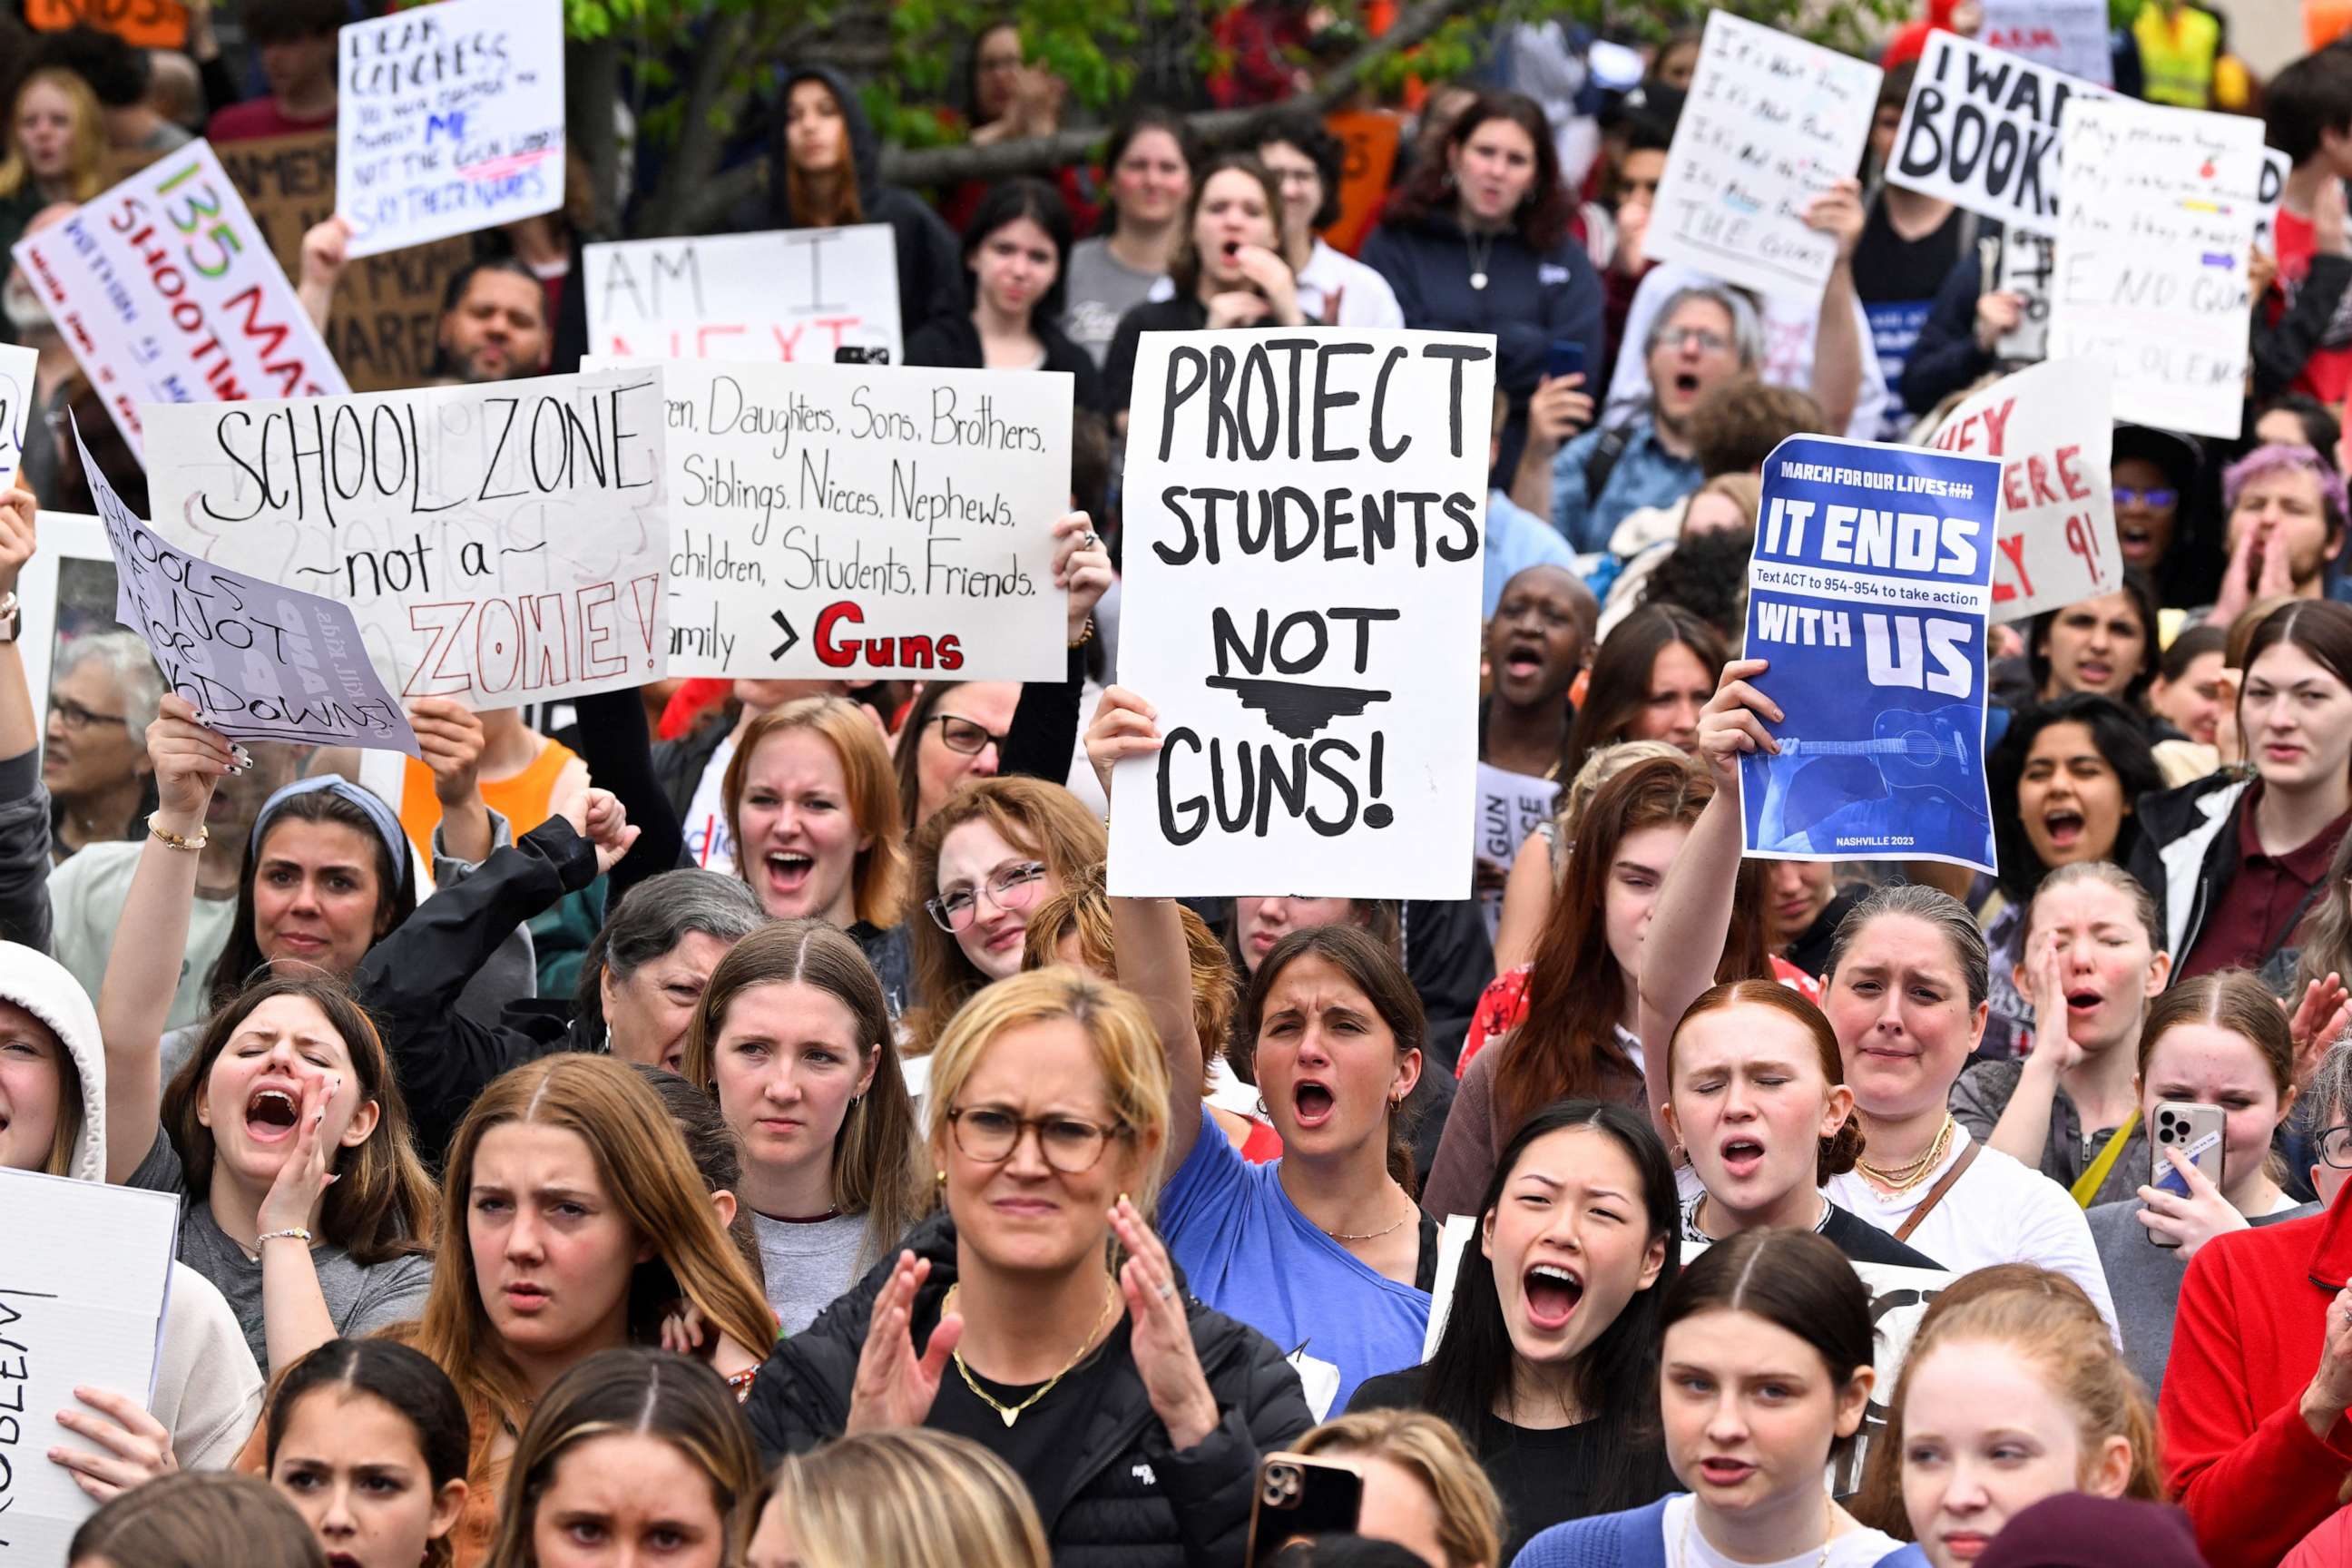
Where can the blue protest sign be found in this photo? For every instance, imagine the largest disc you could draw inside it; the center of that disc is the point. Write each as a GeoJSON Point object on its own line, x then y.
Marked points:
{"type": "Point", "coordinates": [1868, 592]}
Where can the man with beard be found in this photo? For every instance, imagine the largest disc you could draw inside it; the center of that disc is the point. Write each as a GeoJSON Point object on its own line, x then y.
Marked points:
{"type": "Point", "coordinates": [494, 324]}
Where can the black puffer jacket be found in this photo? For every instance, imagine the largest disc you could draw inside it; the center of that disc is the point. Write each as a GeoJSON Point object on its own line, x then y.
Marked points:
{"type": "Point", "coordinates": [1133, 1502]}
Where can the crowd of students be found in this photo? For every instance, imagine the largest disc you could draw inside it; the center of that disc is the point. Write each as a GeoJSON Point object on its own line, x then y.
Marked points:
{"type": "Point", "coordinates": [732, 1123]}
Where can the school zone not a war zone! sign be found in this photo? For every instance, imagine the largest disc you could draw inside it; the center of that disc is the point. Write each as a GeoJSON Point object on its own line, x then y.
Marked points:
{"type": "Point", "coordinates": [793, 295]}
{"type": "Point", "coordinates": [839, 522]}
{"type": "Point", "coordinates": [1305, 518]}
{"type": "Point", "coordinates": [500, 544]}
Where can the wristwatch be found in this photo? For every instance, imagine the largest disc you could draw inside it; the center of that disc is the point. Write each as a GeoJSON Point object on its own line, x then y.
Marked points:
{"type": "Point", "coordinates": [12, 616]}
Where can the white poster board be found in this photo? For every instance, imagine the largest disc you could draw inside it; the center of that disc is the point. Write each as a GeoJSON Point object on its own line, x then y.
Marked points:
{"type": "Point", "coordinates": [500, 544]}
{"type": "Point", "coordinates": [2153, 247]}
{"type": "Point", "coordinates": [857, 522]}
{"type": "Point", "coordinates": [2051, 429]}
{"type": "Point", "coordinates": [16, 392]}
{"type": "Point", "coordinates": [83, 1280]}
{"type": "Point", "coordinates": [2276, 166]}
{"type": "Point", "coordinates": [1510, 806]}
{"type": "Point", "coordinates": [2029, 261]}
{"type": "Point", "coordinates": [165, 290]}
{"type": "Point", "coordinates": [449, 119]}
{"type": "Point", "coordinates": [796, 294]}
{"type": "Point", "coordinates": [1771, 122]}
{"type": "Point", "coordinates": [2069, 35]}
{"type": "Point", "coordinates": [257, 660]}
{"type": "Point", "coordinates": [1305, 518]}
{"type": "Point", "coordinates": [1981, 129]}
{"type": "Point", "coordinates": [73, 561]}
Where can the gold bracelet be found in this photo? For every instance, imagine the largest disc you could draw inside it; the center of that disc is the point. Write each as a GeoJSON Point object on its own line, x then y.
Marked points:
{"type": "Point", "coordinates": [172, 840]}
{"type": "Point", "coordinates": [1085, 636]}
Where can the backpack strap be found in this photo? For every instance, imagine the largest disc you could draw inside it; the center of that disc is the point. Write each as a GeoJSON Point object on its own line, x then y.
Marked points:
{"type": "Point", "coordinates": [1935, 1193]}
{"type": "Point", "coordinates": [1602, 461]}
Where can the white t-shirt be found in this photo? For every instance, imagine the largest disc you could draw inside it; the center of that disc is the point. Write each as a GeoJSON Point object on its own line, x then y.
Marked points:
{"type": "Point", "coordinates": [1999, 1211]}
{"type": "Point", "coordinates": [1689, 1547]}
{"type": "Point", "coordinates": [707, 841]}
{"type": "Point", "coordinates": [1789, 326]}
{"type": "Point", "coordinates": [1365, 298]}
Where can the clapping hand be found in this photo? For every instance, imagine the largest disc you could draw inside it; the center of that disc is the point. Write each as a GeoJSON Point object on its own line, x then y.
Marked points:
{"type": "Point", "coordinates": [895, 1386]}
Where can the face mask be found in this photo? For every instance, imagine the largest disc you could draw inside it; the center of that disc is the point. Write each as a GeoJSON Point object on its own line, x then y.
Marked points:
{"type": "Point", "coordinates": [27, 314]}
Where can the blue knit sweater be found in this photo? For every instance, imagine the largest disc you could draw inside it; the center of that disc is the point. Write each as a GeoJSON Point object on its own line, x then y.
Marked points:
{"type": "Point", "coordinates": [1634, 1539]}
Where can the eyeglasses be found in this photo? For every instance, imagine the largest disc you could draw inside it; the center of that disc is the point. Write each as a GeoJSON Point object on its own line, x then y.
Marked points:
{"type": "Point", "coordinates": [1072, 1146]}
{"type": "Point", "coordinates": [963, 735]}
{"type": "Point", "coordinates": [1010, 887]}
{"type": "Point", "coordinates": [1706, 342]}
{"type": "Point", "coordinates": [2161, 500]}
{"type": "Point", "coordinates": [74, 715]}
{"type": "Point", "coordinates": [2336, 1147]}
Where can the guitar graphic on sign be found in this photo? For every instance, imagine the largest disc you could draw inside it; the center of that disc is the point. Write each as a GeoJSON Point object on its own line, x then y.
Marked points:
{"type": "Point", "coordinates": [1932, 751]}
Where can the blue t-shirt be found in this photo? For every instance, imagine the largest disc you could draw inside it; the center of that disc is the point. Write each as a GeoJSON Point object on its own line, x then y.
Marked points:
{"type": "Point", "coordinates": [1250, 1254]}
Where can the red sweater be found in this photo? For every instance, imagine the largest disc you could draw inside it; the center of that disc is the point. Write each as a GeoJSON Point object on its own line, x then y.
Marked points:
{"type": "Point", "coordinates": [2245, 1342]}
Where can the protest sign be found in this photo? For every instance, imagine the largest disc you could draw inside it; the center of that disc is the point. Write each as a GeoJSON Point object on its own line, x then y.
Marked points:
{"type": "Point", "coordinates": [1771, 122]}
{"type": "Point", "coordinates": [1368, 142]}
{"type": "Point", "coordinates": [2027, 263]}
{"type": "Point", "coordinates": [143, 24]}
{"type": "Point", "coordinates": [848, 523]}
{"type": "Point", "coordinates": [2268, 195]}
{"type": "Point", "coordinates": [794, 295]}
{"type": "Point", "coordinates": [2049, 428]}
{"type": "Point", "coordinates": [1510, 806]}
{"type": "Point", "coordinates": [1868, 592]}
{"type": "Point", "coordinates": [83, 1281]}
{"type": "Point", "coordinates": [257, 660]}
{"type": "Point", "coordinates": [500, 544]}
{"type": "Point", "coordinates": [166, 293]}
{"type": "Point", "coordinates": [1306, 516]}
{"type": "Point", "coordinates": [2152, 259]}
{"type": "Point", "coordinates": [2069, 35]}
{"type": "Point", "coordinates": [450, 119]}
{"type": "Point", "coordinates": [17, 369]}
{"type": "Point", "coordinates": [1981, 129]}
{"type": "Point", "coordinates": [386, 312]}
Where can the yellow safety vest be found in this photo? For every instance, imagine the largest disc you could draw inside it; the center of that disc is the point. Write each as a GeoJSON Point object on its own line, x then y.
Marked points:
{"type": "Point", "coordinates": [2177, 54]}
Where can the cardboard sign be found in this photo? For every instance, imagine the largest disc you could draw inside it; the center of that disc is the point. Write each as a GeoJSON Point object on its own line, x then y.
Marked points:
{"type": "Point", "coordinates": [1868, 592]}
{"type": "Point", "coordinates": [258, 661]}
{"type": "Point", "coordinates": [2049, 429]}
{"type": "Point", "coordinates": [165, 290]}
{"type": "Point", "coordinates": [500, 544]}
{"type": "Point", "coordinates": [2068, 36]}
{"type": "Point", "coordinates": [450, 119]}
{"type": "Point", "coordinates": [387, 309]}
{"type": "Point", "coordinates": [18, 366]}
{"type": "Point", "coordinates": [1510, 806]}
{"type": "Point", "coordinates": [855, 522]}
{"type": "Point", "coordinates": [794, 295]}
{"type": "Point", "coordinates": [2153, 249]}
{"type": "Point", "coordinates": [1771, 122]}
{"type": "Point", "coordinates": [83, 1281]}
{"type": "Point", "coordinates": [1305, 518]}
{"type": "Point", "coordinates": [145, 23]}
{"type": "Point", "coordinates": [2028, 263]}
{"type": "Point", "coordinates": [1981, 129]}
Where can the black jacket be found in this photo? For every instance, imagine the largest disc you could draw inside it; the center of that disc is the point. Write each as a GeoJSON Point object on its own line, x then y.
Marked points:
{"type": "Point", "coordinates": [1530, 301]}
{"type": "Point", "coordinates": [1133, 1502]}
{"type": "Point", "coordinates": [2187, 853]}
{"type": "Point", "coordinates": [930, 272]}
{"type": "Point", "coordinates": [952, 343]}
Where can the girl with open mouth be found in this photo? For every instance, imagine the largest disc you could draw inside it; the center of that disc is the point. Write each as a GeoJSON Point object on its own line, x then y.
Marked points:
{"type": "Point", "coordinates": [1764, 1378]}
{"type": "Point", "coordinates": [1548, 1365]}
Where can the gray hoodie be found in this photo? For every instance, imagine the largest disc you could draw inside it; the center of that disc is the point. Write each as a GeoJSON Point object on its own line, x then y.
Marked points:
{"type": "Point", "coordinates": [207, 1388]}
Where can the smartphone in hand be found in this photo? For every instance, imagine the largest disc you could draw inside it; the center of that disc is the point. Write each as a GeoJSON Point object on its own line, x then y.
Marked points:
{"type": "Point", "coordinates": [1300, 1499]}
{"type": "Point", "coordinates": [1566, 357]}
{"type": "Point", "coordinates": [2194, 1127]}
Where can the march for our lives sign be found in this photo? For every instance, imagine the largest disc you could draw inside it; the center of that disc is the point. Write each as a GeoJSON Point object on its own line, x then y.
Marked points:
{"type": "Point", "coordinates": [1868, 593]}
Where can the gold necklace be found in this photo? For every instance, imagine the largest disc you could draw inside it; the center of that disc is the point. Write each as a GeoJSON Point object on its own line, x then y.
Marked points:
{"type": "Point", "coordinates": [1903, 1179]}
{"type": "Point", "coordinates": [1682, 1548]}
{"type": "Point", "coordinates": [1012, 1412]}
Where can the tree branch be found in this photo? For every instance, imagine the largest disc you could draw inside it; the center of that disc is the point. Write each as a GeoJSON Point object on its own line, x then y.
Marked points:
{"type": "Point", "coordinates": [935, 166]}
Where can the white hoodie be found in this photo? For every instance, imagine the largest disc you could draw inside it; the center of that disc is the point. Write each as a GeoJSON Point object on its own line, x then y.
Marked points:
{"type": "Point", "coordinates": [207, 1388]}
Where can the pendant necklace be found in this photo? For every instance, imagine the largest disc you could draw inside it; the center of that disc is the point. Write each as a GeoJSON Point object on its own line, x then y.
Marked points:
{"type": "Point", "coordinates": [1480, 254]}
{"type": "Point", "coordinates": [1009, 1414]}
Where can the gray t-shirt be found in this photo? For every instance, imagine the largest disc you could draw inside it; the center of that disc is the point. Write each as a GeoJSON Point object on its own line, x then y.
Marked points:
{"type": "Point", "coordinates": [361, 1298]}
{"type": "Point", "coordinates": [808, 1263]}
{"type": "Point", "coordinates": [1102, 288]}
{"type": "Point", "coordinates": [2145, 1279]}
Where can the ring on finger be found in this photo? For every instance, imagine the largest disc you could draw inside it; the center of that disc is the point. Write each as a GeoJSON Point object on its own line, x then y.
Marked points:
{"type": "Point", "coordinates": [1092, 540]}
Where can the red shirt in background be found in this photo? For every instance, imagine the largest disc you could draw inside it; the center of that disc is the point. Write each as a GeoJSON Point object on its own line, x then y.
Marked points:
{"type": "Point", "coordinates": [257, 118]}
{"type": "Point", "coordinates": [2328, 373]}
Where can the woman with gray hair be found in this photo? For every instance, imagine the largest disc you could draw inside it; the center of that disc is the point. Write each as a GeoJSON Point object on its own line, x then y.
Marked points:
{"type": "Point", "coordinates": [101, 700]}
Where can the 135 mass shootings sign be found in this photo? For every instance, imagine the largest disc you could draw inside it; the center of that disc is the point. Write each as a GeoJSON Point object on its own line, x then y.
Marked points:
{"type": "Point", "coordinates": [1306, 515]}
{"type": "Point", "coordinates": [1868, 593]}
{"type": "Point", "coordinates": [165, 290]}
{"type": "Point", "coordinates": [794, 295]}
{"type": "Point", "coordinates": [450, 119]}
{"type": "Point", "coordinates": [500, 544]}
{"type": "Point", "coordinates": [848, 523]}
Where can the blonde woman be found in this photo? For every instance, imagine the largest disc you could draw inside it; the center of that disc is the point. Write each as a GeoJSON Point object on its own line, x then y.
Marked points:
{"type": "Point", "coordinates": [909, 1497]}
{"type": "Point", "coordinates": [1423, 1487]}
{"type": "Point", "coordinates": [55, 137]}
{"type": "Point", "coordinates": [1039, 1315]}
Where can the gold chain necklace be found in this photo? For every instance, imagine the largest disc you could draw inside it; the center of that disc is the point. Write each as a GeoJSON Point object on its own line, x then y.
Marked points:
{"type": "Point", "coordinates": [1681, 1548]}
{"type": "Point", "coordinates": [1902, 1180]}
{"type": "Point", "coordinates": [1012, 1412]}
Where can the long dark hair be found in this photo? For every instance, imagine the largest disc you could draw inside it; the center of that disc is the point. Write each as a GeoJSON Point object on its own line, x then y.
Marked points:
{"type": "Point", "coordinates": [1373, 968]}
{"type": "Point", "coordinates": [1793, 1279]}
{"type": "Point", "coordinates": [1620, 682]}
{"type": "Point", "coordinates": [1125, 130]}
{"type": "Point", "coordinates": [1616, 1377]}
{"type": "Point", "coordinates": [2141, 591]}
{"type": "Point", "coordinates": [240, 955]}
{"type": "Point", "coordinates": [1544, 216]}
{"type": "Point", "coordinates": [1010, 203]}
{"type": "Point", "coordinates": [2120, 738]}
{"type": "Point", "coordinates": [400, 1377]}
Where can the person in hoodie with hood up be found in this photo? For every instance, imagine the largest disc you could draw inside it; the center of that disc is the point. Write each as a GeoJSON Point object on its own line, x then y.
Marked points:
{"type": "Point", "coordinates": [824, 172]}
{"type": "Point", "coordinates": [53, 1120]}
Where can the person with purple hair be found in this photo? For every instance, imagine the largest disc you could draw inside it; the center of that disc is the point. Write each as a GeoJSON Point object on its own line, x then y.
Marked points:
{"type": "Point", "coordinates": [2286, 509]}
